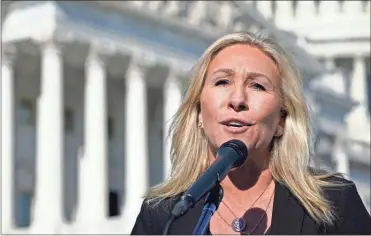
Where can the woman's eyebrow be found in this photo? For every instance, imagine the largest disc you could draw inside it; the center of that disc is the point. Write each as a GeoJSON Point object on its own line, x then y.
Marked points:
{"type": "Point", "coordinates": [248, 74]}
{"type": "Point", "coordinates": [224, 70]}
{"type": "Point", "coordinates": [256, 74]}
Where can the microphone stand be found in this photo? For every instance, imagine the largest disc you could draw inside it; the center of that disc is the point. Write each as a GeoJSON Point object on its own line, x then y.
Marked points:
{"type": "Point", "coordinates": [211, 204]}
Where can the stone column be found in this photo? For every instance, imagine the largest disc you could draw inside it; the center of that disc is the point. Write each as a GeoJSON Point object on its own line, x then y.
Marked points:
{"type": "Point", "coordinates": [358, 86]}
{"type": "Point", "coordinates": [358, 118]}
{"type": "Point", "coordinates": [328, 9]}
{"type": "Point", "coordinates": [136, 148]}
{"type": "Point", "coordinates": [172, 99]}
{"type": "Point", "coordinates": [305, 10]}
{"type": "Point", "coordinates": [284, 14]}
{"type": "Point", "coordinates": [340, 156]}
{"type": "Point", "coordinates": [7, 138]}
{"type": "Point", "coordinates": [353, 7]}
{"type": "Point", "coordinates": [93, 191]}
{"type": "Point", "coordinates": [50, 144]}
{"type": "Point", "coordinates": [265, 8]}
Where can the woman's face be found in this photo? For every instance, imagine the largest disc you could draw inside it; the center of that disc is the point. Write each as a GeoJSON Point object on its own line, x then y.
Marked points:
{"type": "Point", "coordinates": [241, 98]}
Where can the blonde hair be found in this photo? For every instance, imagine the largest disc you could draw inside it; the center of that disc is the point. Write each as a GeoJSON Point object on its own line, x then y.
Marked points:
{"type": "Point", "coordinates": [290, 155]}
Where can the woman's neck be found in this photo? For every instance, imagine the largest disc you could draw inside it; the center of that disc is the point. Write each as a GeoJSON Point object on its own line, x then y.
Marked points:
{"type": "Point", "coordinates": [243, 186]}
{"type": "Point", "coordinates": [248, 180]}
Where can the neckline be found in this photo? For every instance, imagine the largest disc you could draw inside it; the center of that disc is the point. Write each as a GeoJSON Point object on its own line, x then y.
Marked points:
{"type": "Point", "coordinates": [276, 183]}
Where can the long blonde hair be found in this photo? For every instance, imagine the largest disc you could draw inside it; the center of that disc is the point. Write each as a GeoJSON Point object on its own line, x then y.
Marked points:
{"type": "Point", "coordinates": [290, 155]}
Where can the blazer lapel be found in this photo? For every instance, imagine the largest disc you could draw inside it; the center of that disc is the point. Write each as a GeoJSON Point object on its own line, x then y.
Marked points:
{"type": "Point", "coordinates": [288, 214]}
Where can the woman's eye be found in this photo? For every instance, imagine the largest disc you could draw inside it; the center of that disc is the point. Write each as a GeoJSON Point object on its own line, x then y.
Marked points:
{"type": "Point", "coordinates": [221, 82]}
{"type": "Point", "coordinates": [258, 86]}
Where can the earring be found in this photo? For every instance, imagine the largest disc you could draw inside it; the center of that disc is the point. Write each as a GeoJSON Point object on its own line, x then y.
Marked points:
{"type": "Point", "coordinates": [199, 124]}
{"type": "Point", "coordinates": [278, 133]}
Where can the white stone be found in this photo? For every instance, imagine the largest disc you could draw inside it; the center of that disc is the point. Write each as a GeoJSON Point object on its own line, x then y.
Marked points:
{"type": "Point", "coordinates": [136, 132]}
{"type": "Point", "coordinates": [94, 191]}
{"type": "Point", "coordinates": [305, 10]}
{"type": "Point", "coordinates": [329, 9]}
{"type": "Point", "coordinates": [50, 144]}
{"type": "Point", "coordinates": [353, 7]}
{"type": "Point", "coordinates": [358, 120]}
{"type": "Point", "coordinates": [358, 82]}
{"type": "Point", "coordinates": [172, 100]}
{"type": "Point", "coordinates": [284, 13]}
{"type": "Point", "coordinates": [7, 141]}
{"type": "Point", "coordinates": [265, 7]}
{"type": "Point", "coordinates": [340, 157]}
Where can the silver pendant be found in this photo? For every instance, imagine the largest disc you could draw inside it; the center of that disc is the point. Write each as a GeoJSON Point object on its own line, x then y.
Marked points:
{"type": "Point", "coordinates": [238, 224]}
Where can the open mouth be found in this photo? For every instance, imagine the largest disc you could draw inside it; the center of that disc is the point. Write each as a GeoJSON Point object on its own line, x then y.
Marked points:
{"type": "Point", "coordinates": [235, 124]}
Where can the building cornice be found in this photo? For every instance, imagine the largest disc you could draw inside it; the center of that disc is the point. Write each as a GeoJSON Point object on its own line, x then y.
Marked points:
{"type": "Point", "coordinates": [204, 35]}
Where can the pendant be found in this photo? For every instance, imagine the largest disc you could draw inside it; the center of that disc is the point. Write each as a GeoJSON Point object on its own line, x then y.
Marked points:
{"type": "Point", "coordinates": [238, 224]}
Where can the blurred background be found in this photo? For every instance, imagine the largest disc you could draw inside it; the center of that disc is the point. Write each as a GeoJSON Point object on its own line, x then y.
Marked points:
{"type": "Point", "coordinates": [88, 89]}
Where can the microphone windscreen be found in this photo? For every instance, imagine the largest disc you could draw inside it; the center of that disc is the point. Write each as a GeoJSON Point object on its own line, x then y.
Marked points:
{"type": "Point", "coordinates": [239, 147]}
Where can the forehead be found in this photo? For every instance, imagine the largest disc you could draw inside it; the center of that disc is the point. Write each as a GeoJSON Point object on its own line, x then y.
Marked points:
{"type": "Point", "coordinates": [244, 58]}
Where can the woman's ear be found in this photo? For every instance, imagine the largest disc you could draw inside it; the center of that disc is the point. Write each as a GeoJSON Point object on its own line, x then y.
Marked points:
{"type": "Point", "coordinates": [281, 124]}
{"type": "Point", "coordinates": [200, 123]}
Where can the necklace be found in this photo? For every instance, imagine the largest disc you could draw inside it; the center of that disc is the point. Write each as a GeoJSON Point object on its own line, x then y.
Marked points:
{"type": "Point", "coordinates": [239, 224]}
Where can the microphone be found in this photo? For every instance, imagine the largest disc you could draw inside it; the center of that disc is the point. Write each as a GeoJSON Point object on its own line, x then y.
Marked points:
{"type": "Point", "coordinates": [230, 155]}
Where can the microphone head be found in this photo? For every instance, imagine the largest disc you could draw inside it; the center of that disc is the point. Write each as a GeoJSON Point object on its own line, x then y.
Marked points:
{"type": "Point", "coordinates": [239, 147]}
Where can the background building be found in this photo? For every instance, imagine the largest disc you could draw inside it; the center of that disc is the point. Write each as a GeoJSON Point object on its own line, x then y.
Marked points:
{"type": "Point", "coordinates": [337, 33]}
{"type": "Point", "coordinates": [88, 89]}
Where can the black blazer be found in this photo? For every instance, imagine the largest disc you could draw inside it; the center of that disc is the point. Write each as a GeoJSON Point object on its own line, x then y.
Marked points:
{"type": "Point", "coordinates": [288, 216]}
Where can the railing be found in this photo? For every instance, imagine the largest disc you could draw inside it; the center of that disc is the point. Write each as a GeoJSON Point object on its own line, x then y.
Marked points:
{"type": "Point", "coordinates": [302, 17]}
{"type": "Point", "coordinates": [335, 18]}
{"type": "Point", "coordinates": [317, 9]}
{"type": "Point", "coordinates": [218, 16]}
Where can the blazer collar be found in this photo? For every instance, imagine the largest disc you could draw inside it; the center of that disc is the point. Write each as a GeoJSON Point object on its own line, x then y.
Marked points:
{"type": "Point", "coordinates": [288, 213]}
{"type": "Point", "coordinates": [287, 216]}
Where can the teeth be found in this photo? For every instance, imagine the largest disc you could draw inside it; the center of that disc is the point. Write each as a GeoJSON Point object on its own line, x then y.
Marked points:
{"type": "Point", "coordinates": [235, 124]}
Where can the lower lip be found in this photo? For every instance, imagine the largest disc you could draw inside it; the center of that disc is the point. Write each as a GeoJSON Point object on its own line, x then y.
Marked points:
{"type": "Point", "coordinates": [235, 130]}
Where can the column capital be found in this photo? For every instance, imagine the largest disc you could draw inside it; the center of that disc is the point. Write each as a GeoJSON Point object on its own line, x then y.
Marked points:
{"type": "Point", "coordinates": [51, 46]}
{"type": "Point", "coordinates": [103, 47]}
{"type": "Point", "coordinates": [179, 69]}
{"type": "Point", "coordinates": [97, 54]}
{"type": "Point", "coordinates": [143, 60]}
{"type": "Point", "coordinates": [140, 63]}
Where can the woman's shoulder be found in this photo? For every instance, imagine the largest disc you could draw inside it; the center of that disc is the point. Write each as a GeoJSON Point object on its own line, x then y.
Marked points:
{"type": "Point", "coordinates": [153, 215]}
{"type": "Point", "coordinates": [333, 179]}
{"type": "Point", "coordinates": [351, 213]}
{"type": "Point", "coordinates": [336, 186]}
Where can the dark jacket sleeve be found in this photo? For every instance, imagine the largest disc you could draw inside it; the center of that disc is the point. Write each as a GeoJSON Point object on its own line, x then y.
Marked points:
{"type": "Point", "coordinates": [152, 218]}
{"type": "Point", "coordinates": [354, 218]}
{"type": "Point", "coordinates": [143, 222]}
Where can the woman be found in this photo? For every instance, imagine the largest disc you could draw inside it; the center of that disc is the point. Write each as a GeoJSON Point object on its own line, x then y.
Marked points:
{"type": "Point", "coordinates": [245, 87]}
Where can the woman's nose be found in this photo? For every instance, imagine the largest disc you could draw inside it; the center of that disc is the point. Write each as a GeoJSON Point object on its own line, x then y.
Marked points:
{"type": "Point", "coordinates": [238, 100]}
